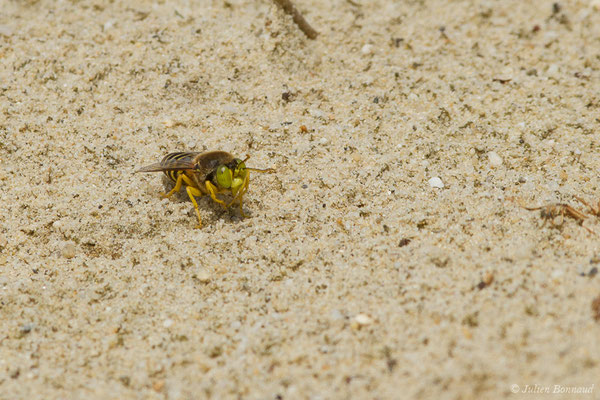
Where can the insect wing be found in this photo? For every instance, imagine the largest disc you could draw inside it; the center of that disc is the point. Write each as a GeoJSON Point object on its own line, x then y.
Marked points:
{"type": "Point", "coordinates": [171, 166]}
{"type": "Point", "coordinates": [172, 162]}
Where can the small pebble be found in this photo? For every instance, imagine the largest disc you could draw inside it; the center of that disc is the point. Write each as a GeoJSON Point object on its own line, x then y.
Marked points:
{"type": "Point", "coordinates": [507, 74]}
{"type": "Point", "coordinates": [158, 386]}
{"type": "Point", "coordinates": [107, 25]}
{"type": "Point", "coordinates": [203, 276]}
{"type": "Point", "coordinates": [68, 250]}
{"type": "Point", "coordinates": [367, 49]}
{"type": "Point", "coordinates": [25, 329]}
{"type": "Point", "coordinates": [488, 278]}
{"type": "Point", "coordinates": [495, 159]}
{"type": "Point", "coordinates": [323, 141]}
{"type": "Point", "coordinates": [552, 70]}
{"type": "Point", "coordinates": [436, 182]}
{"type": "Point", "coordinates": [557, 275]}
{"type": "Point", "coordinates": [363, 320]}
{"type": "Point", "coordinates": [167, 323]}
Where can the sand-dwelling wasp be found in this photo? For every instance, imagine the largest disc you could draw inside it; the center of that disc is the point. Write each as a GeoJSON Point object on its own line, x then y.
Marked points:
{"type": "Point", "coordinates": [206, 174]}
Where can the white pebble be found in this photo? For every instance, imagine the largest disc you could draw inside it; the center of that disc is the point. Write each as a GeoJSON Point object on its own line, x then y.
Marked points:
{"type": "Point", "coordinates": [323, 141]}
{"type": "Point", "coordinates": [557, 274]}
{"type": "Point", "coordinates": [109, 24]}
{"type": "Point", "coordinates": [167, 323]}
{"type": "Point", "coordinates": [553, 70]}
{"type": "Point", "coordinates": [436, 182]}
{"type": "Point", "coordinates": [367, 49]}
{"type": "Point", "coordinates": [363, 319]}
{"type": "Point", "coordinates": [495, 159]}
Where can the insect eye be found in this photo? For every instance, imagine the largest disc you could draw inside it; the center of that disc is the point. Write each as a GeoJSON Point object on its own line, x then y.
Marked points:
{"type": "Point", "coordinates": [224, 177]}
{"type": "Point", "coordinates": [240, 167]}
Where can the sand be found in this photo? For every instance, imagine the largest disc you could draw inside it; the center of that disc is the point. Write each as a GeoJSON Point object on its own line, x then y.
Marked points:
{"type": "Point", "coordinates": [388, 256]}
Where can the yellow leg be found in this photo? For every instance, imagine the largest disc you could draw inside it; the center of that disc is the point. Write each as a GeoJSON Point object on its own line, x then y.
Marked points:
{"type": "Point", "coordinates": [240, 194]}
{"type": "Point", "coordinates": [191, 191]}
{"type": "Point", "coordinates": [242, 190]}
{"type": "Point", "coordinates": [177, 187]}
{"type": "Point", "coordinates": [241, 209]}
{"type": "Point", "coordinates": [212, 190]}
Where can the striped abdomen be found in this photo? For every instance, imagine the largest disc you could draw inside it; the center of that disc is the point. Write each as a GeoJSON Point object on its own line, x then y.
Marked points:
{"type": "Point", "coordinates": [176, 159]}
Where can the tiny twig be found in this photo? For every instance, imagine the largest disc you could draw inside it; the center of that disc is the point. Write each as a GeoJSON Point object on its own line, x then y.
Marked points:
{"type": "Point", "coordinates": [304, 26]}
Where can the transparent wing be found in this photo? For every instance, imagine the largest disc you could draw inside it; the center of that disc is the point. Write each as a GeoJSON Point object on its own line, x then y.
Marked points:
{"type": "Point", "coordinates": [172, 162]}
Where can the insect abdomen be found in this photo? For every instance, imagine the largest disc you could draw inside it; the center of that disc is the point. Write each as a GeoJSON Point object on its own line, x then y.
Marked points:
{"type": "Point", "coordinates": [174, 174]}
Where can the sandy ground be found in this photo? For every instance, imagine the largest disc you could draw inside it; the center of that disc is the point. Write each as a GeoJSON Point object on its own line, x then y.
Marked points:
{"type": "Point", "coordinates": [353, 275]}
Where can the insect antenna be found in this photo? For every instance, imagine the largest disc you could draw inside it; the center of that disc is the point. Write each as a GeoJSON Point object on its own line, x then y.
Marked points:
{"type": "Point", "coordinates": [261, 170]}
{"type": "Point", "coordinates": [257, 169]}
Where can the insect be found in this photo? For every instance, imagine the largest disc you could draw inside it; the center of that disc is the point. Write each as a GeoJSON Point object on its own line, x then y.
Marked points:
{"type": "Point", "coordinates": [207, 173]}
{"type": "Point", "coordinates": [551, 211]}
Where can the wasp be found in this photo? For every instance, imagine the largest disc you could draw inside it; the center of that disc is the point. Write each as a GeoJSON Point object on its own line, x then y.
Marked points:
{"type": "Point", "coordinates": [208, 174]}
